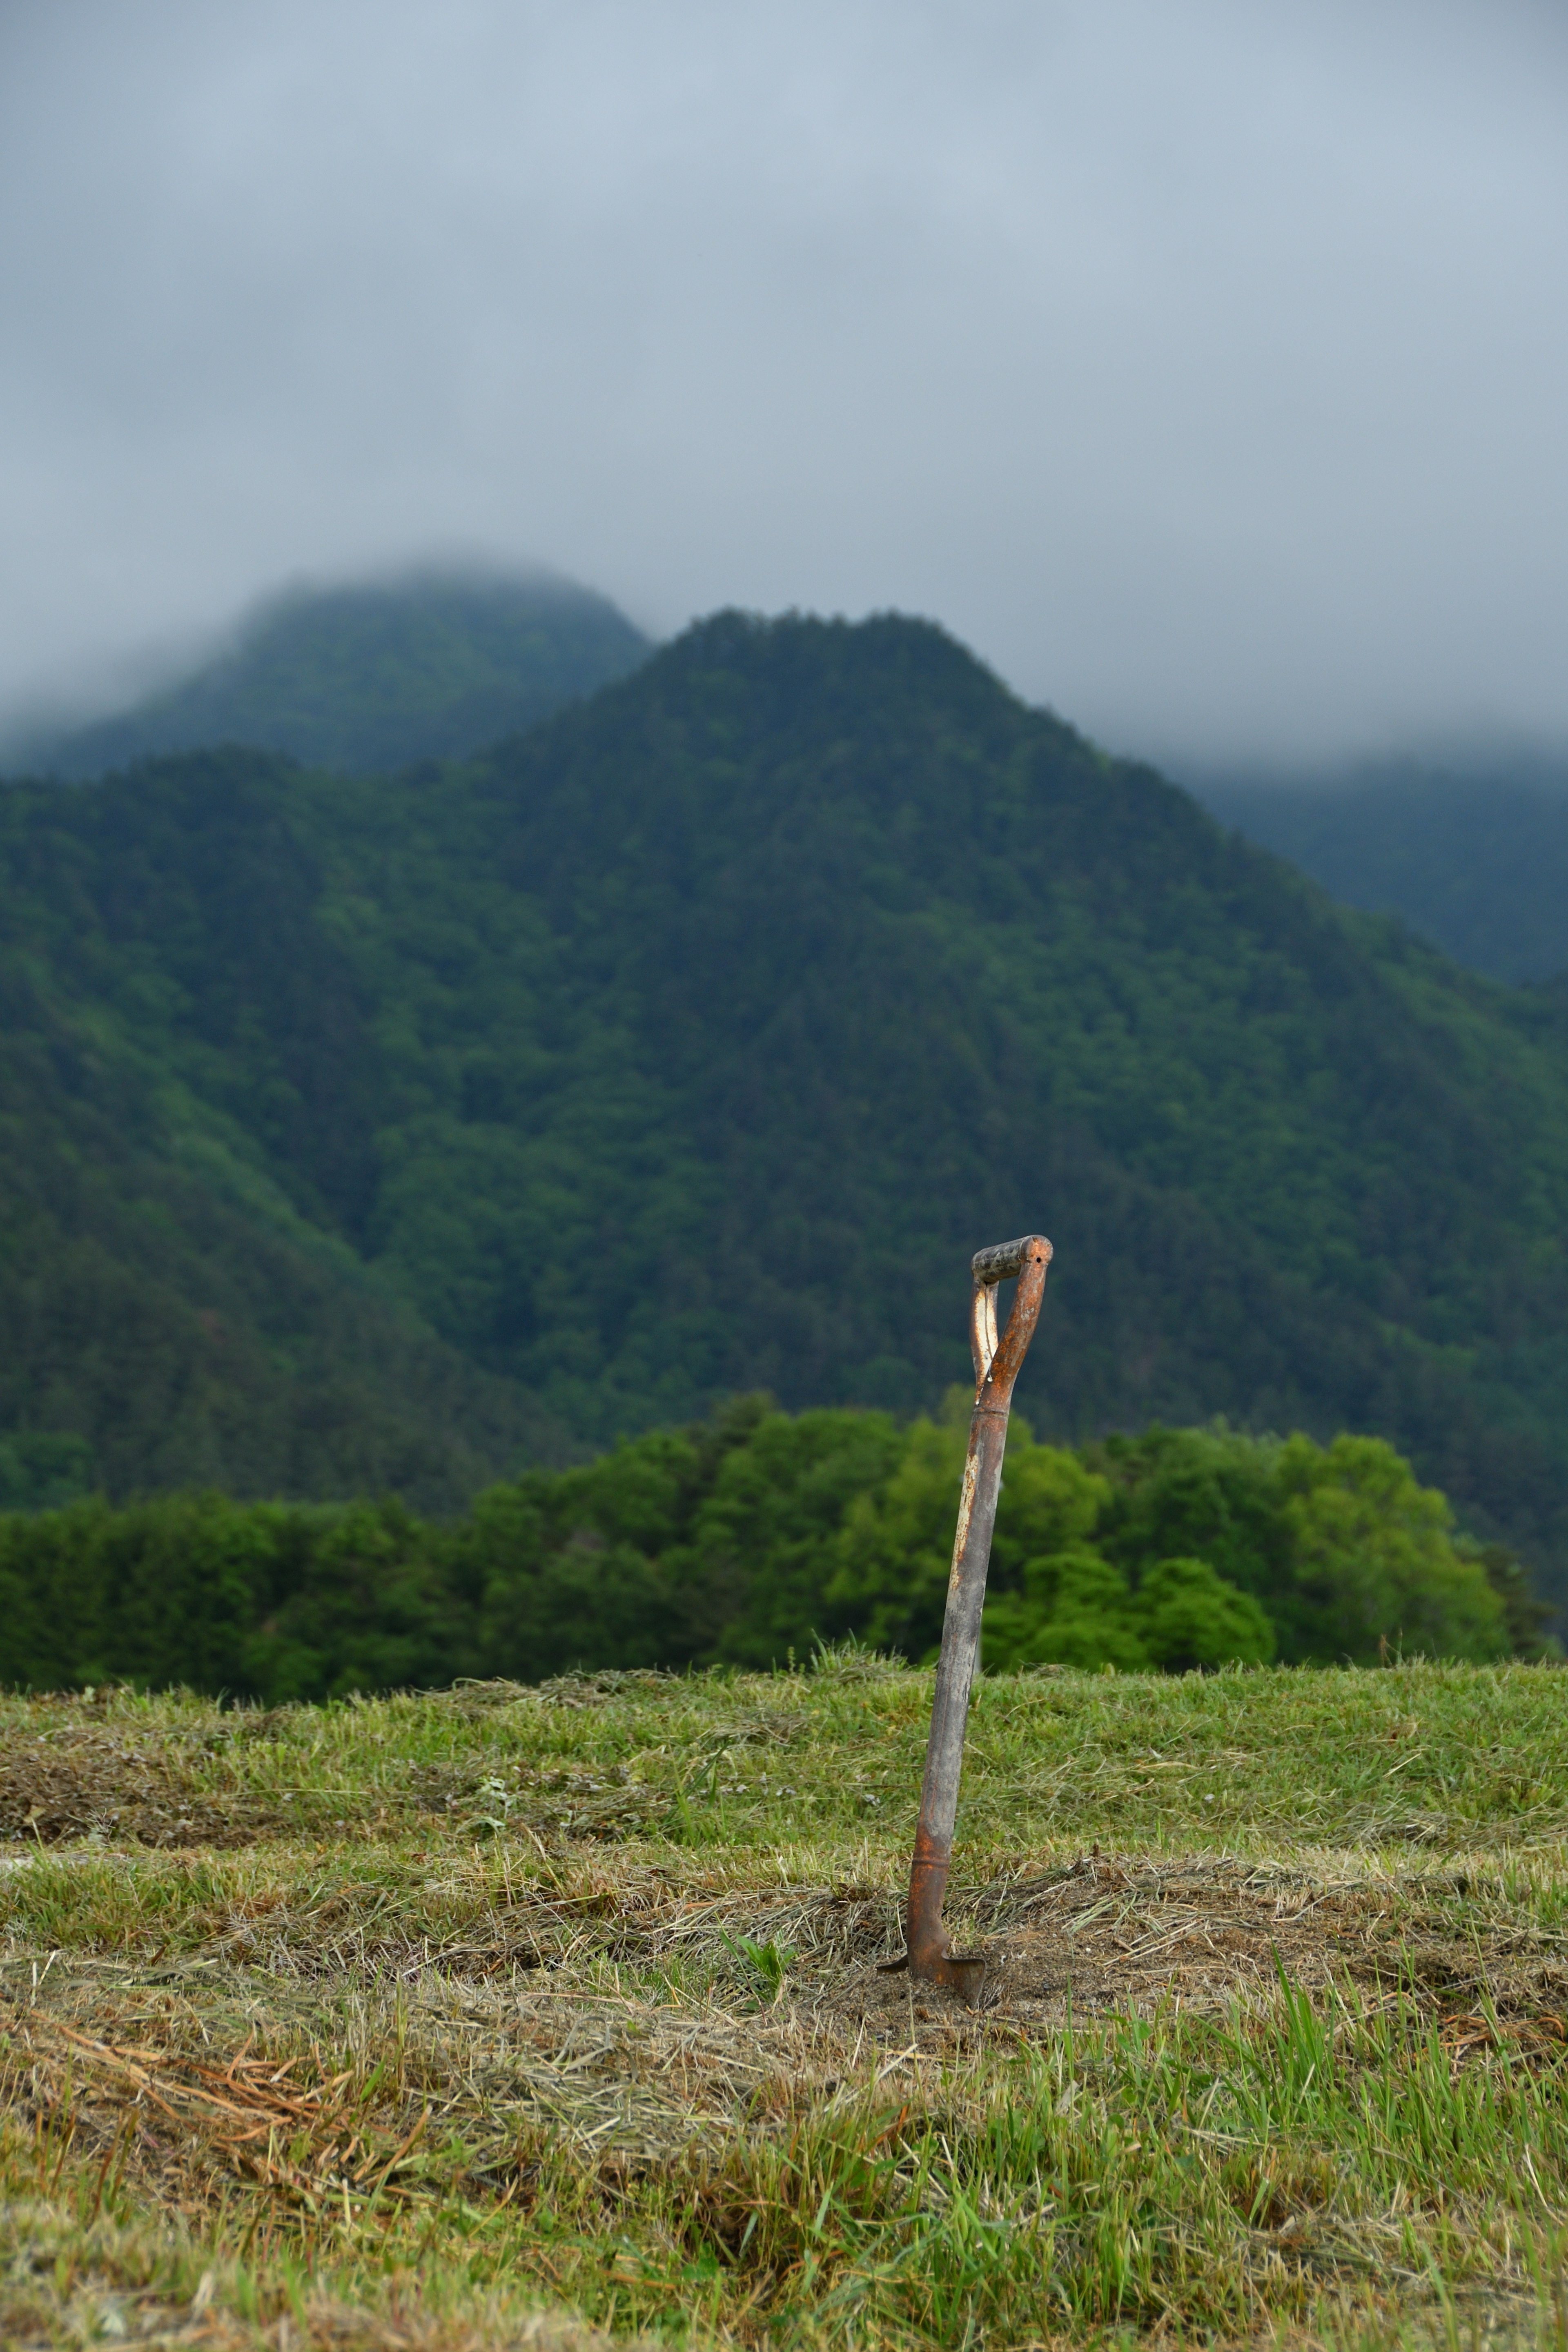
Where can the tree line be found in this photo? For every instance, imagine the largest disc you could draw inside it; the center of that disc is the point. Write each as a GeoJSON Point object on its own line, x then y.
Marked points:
{"type": "Point", "coordinates": [751, 1536]}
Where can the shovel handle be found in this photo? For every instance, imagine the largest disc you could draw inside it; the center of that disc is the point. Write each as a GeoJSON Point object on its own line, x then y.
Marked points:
{"type": "Point", "coordinates": [996, 1367]}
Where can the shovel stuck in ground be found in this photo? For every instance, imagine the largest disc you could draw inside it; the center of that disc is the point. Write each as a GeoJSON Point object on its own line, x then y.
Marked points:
{"type": "Point", "coordinates": [996, 1370]}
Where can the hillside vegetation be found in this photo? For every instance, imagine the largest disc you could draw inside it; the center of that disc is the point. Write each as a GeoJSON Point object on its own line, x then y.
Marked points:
{"type": "Point", "coordinates": [372, 676]}
{"type": "Point", "coordinates": [555, 2016]}
{"type": "Point", "coordinates": [1478, 863]}
{"type": "Point", "coordinates": [689, 1044]}
{"type": "Point", "coordinates": [167, 1317]}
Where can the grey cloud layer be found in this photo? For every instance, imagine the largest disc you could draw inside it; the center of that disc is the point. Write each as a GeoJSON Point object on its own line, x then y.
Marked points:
{"type": "Point", "coordinates": [1204, 364]}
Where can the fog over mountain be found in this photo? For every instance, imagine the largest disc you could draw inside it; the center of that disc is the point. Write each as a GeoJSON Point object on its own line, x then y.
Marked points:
{"type": "Point", "coordinates": [1471, 851]}
{"type": "Point", "coordinates": [370, 676]}
{"type": "Point", "coordinates": [1203, 367]}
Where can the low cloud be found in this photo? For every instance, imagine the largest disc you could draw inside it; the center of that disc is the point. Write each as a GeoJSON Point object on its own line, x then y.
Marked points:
{"type": "Point", "coordinates": [1203, 367]}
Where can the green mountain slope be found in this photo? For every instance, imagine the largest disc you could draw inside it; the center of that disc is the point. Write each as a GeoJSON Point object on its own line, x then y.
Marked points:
{"type": "Point", "coordinates": [162, 1301]}
{"type": "Point", "coordinates": [691, 1042]}
{"type": "Point", "coordinates": [1478, 863]}
{"type": "Point", "coordinates": [373, 676]}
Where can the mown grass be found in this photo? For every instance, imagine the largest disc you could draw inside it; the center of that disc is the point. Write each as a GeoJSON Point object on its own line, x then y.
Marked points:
{"type": "Point", "coordinates": [512, 2015]}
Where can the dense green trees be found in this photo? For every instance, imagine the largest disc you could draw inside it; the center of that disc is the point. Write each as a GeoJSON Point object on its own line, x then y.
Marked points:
{"type": "Point", "coordinates": [752, 1537]}
{"type": "Point", "coordinates": [282, 1601]}
{"type": "Point", "coordinates": [1476, 860]}
{"type": "Point", "coordinates": [373, 1133]}
{"type": "Point", "coordinates": [178, 1305]}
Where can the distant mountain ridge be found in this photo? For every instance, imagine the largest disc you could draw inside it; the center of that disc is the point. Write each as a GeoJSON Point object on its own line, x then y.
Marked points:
{"type": "Point", "coordinates": [373, 675]}
{"type": "Point", "coordinates": [1475, 859]}
{"type": "Point", "coordinates": [689, 1042]}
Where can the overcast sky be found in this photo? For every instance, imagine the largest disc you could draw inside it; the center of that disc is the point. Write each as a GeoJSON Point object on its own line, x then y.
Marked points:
{"type": "Point", "coordinates": [1203, 363]}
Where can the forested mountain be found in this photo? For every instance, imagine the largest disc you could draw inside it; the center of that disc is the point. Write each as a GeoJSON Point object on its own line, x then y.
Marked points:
{"type": "Point", "coordinates": [167, 1318]}
{"type": "Point", "coordinates": [162, 1301]}
{"type": "Point", "coordinates": [689, 1043]}
{"type": "Point", "coordinates": [1477, 862]}
{"type": "Point", "coordinates": [428, 666]}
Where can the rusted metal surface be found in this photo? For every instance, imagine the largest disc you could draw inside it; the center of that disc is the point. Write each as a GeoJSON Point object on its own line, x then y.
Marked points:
{"type": "Point", "coordinates": [996, 1370]}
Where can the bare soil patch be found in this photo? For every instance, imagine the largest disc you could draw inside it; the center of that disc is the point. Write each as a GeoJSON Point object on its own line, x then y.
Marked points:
{"type": "Point", "coordinates": [80, 1782]}
{"type": "Point", "coordinates": [1129, 1934]}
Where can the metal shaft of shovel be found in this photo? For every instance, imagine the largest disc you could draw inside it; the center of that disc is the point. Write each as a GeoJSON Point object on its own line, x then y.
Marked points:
{"type": "Point", "coordinates": [996, 1369]}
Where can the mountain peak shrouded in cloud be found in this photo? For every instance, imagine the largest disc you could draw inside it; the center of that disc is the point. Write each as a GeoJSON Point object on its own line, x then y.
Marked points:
{"type": "Point", "coordinates": [373, 675]}
{"type": "Point", "coordinates": [1204, 366]}
{"type": "Point", "coordinates": [684, 1045]}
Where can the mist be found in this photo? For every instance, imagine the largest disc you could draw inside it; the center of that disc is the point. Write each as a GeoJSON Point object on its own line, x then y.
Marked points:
{"type": "Point", "coordinates": [1203, 368]}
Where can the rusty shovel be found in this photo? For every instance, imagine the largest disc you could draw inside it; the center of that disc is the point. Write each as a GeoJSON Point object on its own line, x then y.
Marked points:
{"type": "Point", "coordinates": [996, 1369]}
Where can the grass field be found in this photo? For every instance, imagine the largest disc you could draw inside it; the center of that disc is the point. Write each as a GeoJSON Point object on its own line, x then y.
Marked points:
{"type": "Point", "coordinates": [543, 2016]}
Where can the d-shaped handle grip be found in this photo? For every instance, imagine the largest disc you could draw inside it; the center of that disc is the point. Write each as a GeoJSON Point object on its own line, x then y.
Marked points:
{"type": "Point", "coordinates": [1027, 1258]}
{"type": "Point", "coordinates": [1001, 1263]}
